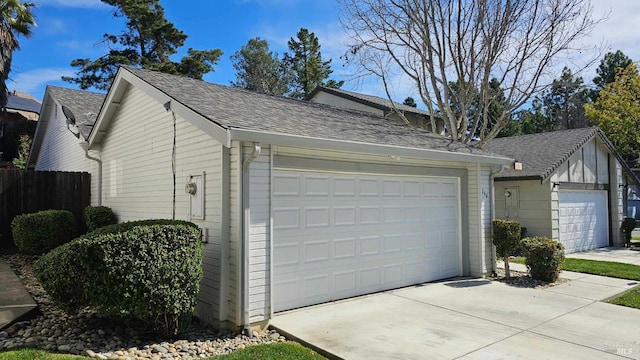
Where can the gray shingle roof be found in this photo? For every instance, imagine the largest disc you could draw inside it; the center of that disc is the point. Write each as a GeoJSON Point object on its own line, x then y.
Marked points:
{"type": "Point", "coordinates": [541, 154]}
{"type": "Point", "coordinates": [22, 103]}
{"type": "Point", "coordinates": [85, 105]}
{"type": "Point", "coordinates": [234, 108]}
{"type": "Point", "coordinates": [373, 101]}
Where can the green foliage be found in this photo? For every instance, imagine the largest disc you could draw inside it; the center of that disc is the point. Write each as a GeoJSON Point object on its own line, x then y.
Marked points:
{"type": "Point", "coordinates": [98, 216]}
{"type": "Point", "coordinates": [148, 42]}
{"type": "Point", "coordinates": [259, 69]}
{"type": "Point", "coordinates": [543, 257]}
{"type": "Point", "coordinates": [20, 161]}
{"type": "Point", "coordinates": [129, 225]}
{"type": "Point", "coordinates": [617, 113]}
{"type": "Point", "coordinates": [609, 66]}
{"type": "Point", "coordinates": [16, 19]}
{"type": "Point", "coordinates": [559, 107]}
{"type": "Point", "coordinates": [13, 143]}
{"type": "Point", "coordinates": [307, 65]}
{"type": "Point", "coordinates": [42, 231]}
{"type": "Point", "coordinates": [628, 224]}
{"type": "Point", "coordinates": [149, 273]}
{"type": "Point", "coordinates": [66, 271]}
{"type": "Point", "coordinates": [409, 101]}
{"type": "Point", "coordinates": [506, 236]}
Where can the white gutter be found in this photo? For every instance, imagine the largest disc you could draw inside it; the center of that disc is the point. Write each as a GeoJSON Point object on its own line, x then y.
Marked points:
{"type": "Point", "coordinates": [85, 146]}
{"type": "Point", "coordinates": [343, 145]}
{"type": "Point", "coordinates": [492, 181]}
{"type": "Point", "coordinates": [246, 222]}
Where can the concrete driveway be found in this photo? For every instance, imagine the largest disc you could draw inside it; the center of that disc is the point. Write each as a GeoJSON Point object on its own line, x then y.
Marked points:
{"type": "Point", "coordinates": [474, 319]}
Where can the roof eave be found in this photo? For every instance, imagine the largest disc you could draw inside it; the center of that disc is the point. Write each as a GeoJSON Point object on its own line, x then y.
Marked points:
{"type": "Point", "coordinates": [353, 146]}
{"type": "Point", "coordinates": [121, 83]}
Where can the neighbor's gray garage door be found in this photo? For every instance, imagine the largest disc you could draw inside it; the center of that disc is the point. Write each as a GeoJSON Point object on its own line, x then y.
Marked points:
{"type": "Point", "coordinates": [338, 235]}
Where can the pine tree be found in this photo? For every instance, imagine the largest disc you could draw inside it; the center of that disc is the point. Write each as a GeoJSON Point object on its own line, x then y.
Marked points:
{"type": "Point", "coordinates": [307, 65]}
{"type": "Point", "coordinates": [148, 41]}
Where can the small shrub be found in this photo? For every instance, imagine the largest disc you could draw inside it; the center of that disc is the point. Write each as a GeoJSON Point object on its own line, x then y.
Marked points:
{"type": "Point", "coordinates": [506, 238]}
{"type": "Point", "coordinates": [66, 271]}
{"type": "Point", "coordinates": [98, 216]}
{"type": "Point", "coordinates": [150, 273]}
{"type": "Point", "coordinates": [628, 224]}
{"type": "Point", "coordinates": [39, 232]}
{"type": "Point", "coordinates": [543, 257]}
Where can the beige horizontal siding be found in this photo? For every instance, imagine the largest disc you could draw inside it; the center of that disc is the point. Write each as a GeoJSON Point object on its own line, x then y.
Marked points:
{"type": "Point", "coordinates": [138, 179]}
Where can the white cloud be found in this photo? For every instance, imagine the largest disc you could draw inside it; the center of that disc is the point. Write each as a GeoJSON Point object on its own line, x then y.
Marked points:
{"type": "Point", "coordinates": [97, 4]}
{"type": "Point", "coordinates": [33, 80]}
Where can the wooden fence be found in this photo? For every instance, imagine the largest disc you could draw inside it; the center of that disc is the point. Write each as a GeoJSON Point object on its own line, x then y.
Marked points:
{"type": "Point", "coordinates": [24, 192]}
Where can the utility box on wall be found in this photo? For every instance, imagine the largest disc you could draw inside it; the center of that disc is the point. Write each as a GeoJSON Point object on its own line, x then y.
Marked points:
{"type": "Point", "coordinates": [195, 189]}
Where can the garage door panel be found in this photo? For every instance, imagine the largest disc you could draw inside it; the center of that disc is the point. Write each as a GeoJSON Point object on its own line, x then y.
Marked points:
{"type": "Point", "coordinates": [583, 220]}
{"type": "Point", "coordinates": [357, 234]}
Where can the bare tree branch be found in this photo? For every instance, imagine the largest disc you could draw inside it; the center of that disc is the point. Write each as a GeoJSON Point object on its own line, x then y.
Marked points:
{"type": "Point", "coordinates": [455, 50]}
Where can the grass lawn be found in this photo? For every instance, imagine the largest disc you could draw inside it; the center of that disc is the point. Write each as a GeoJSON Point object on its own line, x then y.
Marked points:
{"type": "Point", "coordinates": [629, 298]}
{"type": "Point", "coordinates": [273, 351]}
{"type": "Point", "coordinates": [604, 268]}
{"type": "Point", "coordinates": [32, 354]}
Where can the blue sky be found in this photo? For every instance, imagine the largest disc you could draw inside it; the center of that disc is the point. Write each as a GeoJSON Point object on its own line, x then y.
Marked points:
{"type": "Point", "coordinates": [70, 29]}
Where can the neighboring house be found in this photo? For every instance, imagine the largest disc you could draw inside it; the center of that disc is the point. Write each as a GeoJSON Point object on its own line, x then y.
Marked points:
{"type": "Point", "coordinates": [300, 203]}
{"type": "Point", "coordinates": [375, 105]}
{"type": "Point", "coordinates": [633, 204]}
{"type": "Point", "coordinates": [18, 116]}
{"type": "Point", "coordinates": [571, 188]}
{"type": "Point", "coordinates": [20, 106]}
{"type": "Point", "coordinates": [56, 144]}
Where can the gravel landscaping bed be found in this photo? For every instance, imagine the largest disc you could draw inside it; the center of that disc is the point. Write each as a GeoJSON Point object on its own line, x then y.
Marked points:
{"type": "Point", "coordinates": [523, 280]}
{"type": "Point", "coordinates": [89, 334]}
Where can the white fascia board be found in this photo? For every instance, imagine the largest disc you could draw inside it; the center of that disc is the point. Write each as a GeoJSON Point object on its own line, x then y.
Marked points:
{"type": "Point", "coordinates": [353, 146]}
{"type": "Point", "coordinates": [109, 107]}
{"type": "Point", "coordinates": [124, 79]}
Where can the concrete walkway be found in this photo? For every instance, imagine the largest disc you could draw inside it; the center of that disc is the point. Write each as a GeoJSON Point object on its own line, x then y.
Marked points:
{"type": "Point", "coordinates": [15, 300]}
{"type": "Point", "coordinates": [615, 254]}
{"type": "Point", "coordinates": [475, 319]}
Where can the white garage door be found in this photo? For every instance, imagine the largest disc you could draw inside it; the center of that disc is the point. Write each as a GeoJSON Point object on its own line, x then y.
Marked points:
{"type": "Point", "coordinates": [583, 220]}
{"type": "Point", "coordinates": [342, 235]}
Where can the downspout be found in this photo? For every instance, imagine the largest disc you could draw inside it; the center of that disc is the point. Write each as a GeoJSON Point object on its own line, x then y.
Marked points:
{"type": "Point", "coordinates": [85, 146]}
{"type": "Point", "coordinates": [246, 222]}
{"type": "Point", "coordinates": [492, 190]}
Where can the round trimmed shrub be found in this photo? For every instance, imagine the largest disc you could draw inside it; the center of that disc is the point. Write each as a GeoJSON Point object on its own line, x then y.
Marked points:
{"type": "Point", "coordinates": [543, 257]}
{"type": "Point", "coordinates": [39, 232]}
{"type": "Point", "coordinates": [148, 273]}
{"type": "Point", "coordinates": [66, 271]}
{"type": "Point", "coordinates": [98, 216]}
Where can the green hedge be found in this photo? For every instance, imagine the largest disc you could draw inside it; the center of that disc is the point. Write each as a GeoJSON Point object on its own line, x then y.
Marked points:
{"type": "Point", "coordinates": [98, 216]}
{"type": "Point", "coordinates": [39, 232]}
{"type": "Point", "coordinates": [543, 257]}
{"type": "Point", "coordinates": [129, 225]}
{"type": "Point", "coordinates": [150, 273]}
